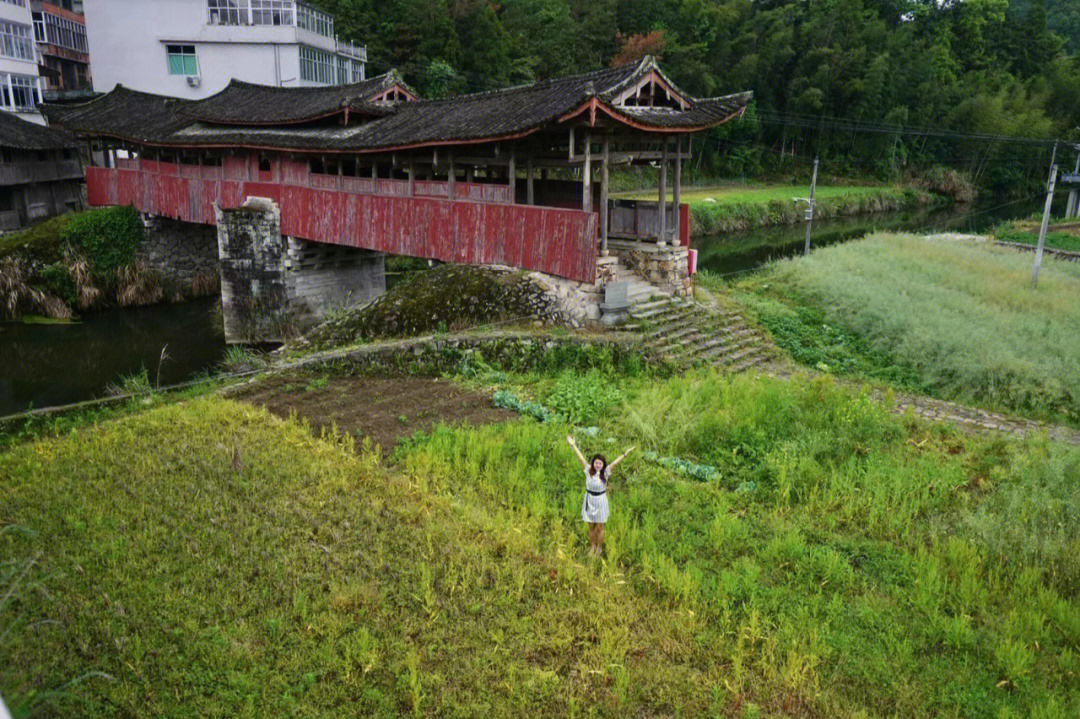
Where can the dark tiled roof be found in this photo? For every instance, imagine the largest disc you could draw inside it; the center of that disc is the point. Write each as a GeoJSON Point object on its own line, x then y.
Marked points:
{"type": "Point", "coordinates": [123, 113]}
{"type": "Point", "coordinates": [254, 115]}
{"type": "Point", "coordinates": [21, 134]}
{"type": "Point", "coordinates": [248, 104]}
{"type": "Point", "coordinates": [705, 112]}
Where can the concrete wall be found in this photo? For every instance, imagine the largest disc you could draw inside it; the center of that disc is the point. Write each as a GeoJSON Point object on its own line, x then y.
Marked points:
{"type": "Point", "coordinates": [127, 41]}
{"type": "Point", "coordinates": [321, 277]}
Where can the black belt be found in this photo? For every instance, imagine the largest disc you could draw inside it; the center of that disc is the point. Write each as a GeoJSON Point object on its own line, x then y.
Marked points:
{"type": "Point", "coordinates": [595, 494]}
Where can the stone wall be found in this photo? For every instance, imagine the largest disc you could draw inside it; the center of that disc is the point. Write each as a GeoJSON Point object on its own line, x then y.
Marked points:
{"type": "Point", "coordinates": [667, 267]}
{"type": "Point", "coordinates": [182, 251]}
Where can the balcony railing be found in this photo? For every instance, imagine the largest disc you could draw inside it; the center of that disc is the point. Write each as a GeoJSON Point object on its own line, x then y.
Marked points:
{"type": "Point", "coordinates": [18, 173]}
{"type": "Point", "coordinates": [348, 49]}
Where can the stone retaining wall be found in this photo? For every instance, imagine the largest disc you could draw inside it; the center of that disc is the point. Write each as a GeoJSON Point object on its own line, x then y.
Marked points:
{"type": "Point", "coordinates": [182, 251]}
{"type": "Point", "coordinates": [667, 267]}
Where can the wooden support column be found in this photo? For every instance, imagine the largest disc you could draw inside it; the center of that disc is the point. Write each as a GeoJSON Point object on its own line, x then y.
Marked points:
{"type": "Point", "coordinates": [469, 174]}
{"type": "Point", "coordinates": [661, 235]}
{"type": "Point", "coordinates": [412, 178]}
{"type": "Point", "coordinates": [374, 171]}
{"type": "Point", "coordinates": [450, 178]}
{"type": "Point", "coordinates": [604, 197]}
{"type": "Point", "coordinates": [677, 194]}
{"type": "Point", "coordinates": [529, 180]}
{"type": "Point", "coordinates": [511, 178]}
{"type": "Point", "coordinates": [586, 176]}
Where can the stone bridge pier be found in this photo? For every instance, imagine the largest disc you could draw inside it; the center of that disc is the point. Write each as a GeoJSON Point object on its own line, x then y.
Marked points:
{"type": "Point", "coordinates": [273, 286]}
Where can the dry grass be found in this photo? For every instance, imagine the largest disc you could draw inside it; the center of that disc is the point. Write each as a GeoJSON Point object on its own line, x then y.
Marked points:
{"type": "Point", "coordinates": [137, 284]}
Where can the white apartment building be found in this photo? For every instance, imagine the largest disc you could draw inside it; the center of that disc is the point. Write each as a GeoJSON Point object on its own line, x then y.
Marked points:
{"type": "Point", "coordinates": [20, 84]}
{"type": "Point", "coordinates": [193, 48]}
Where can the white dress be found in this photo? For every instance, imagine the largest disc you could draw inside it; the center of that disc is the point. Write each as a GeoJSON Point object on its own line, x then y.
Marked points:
{"type": "Point", "coordinates": [595, 507]}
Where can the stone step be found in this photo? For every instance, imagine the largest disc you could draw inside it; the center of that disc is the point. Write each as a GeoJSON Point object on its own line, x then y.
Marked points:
{"type": "Point", "coordinates": [677, 336]}
{"type": "Point", "coordinates": [656, 312]}
{"type": "Point", "coordinates": [746, 364]}
{"type": "Point", "coordinates": [719, 352]}
{"type": "Point", "coordinates": [725, 337]}
{"type": "Point", "coordinates": [733, 358]}
{"type": "Point", "coordinates": [677, 322]}
{"type": "Point", "coordinates": [652, 304]}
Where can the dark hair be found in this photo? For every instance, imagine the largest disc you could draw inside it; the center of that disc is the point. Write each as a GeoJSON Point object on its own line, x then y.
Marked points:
{"type": "Point", "coordinates": [603, 470]}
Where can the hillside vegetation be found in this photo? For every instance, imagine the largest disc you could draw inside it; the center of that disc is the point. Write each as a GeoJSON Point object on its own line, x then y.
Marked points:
{"type": "Point", "coordinates": [207, 559]}
{"type": "Point", "coordinates": [957, 319]}
{"type": "Point", "coordinates": [981, 66]}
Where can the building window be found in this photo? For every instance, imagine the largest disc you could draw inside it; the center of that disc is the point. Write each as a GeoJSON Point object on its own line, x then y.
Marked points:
{"type": "Point", "coordinates": [251, 12]}
{"type": "Point", "coordinates": [16, 41]}
{"type": "Point", "coordinates": [357, 70]}
{"type": "Point", "coordinates": [53, 30]}
{"type": "Point", "coordinates": [316, 65]}
{"type": "Point", "coordinates": [182, 60]}
{"type": "Point", "coordinates": [272, 12]}
{"type": "Point", "coordinates": [20, 3]}
{"type": "Point", "coordinates": [314, 21]}
{"type": "Point", "coordinates": [342, 70]}
{"type": "Point", "coordinates": [229, 12]}
{"type": "Point", "coordinates": [18, 92]}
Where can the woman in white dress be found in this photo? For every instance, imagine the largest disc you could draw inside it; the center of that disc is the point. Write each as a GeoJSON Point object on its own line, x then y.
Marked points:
{"type": "Point", "coordinates": [594, 509]}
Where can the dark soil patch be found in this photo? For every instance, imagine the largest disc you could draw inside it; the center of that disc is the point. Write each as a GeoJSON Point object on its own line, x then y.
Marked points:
{"type": "Point", "coordinates": [383, 408]}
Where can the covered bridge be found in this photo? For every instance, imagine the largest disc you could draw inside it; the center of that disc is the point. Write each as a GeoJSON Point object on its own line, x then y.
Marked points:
{"type": "Point", "coordinates": [517, 176]}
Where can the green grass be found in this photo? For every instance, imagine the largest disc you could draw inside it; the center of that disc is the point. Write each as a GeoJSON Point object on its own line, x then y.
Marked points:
{"type": "Point", "coordinates": [847, 563]}
{"type": "Point", "coordinates": [959, 320]}
{"type": "Point", "coordinates": [42, 242]}
{"type": "Point", "coordinates": [715, 210]}
{"type": "Point", "coordinates": [735, 194]}
{"type": "Point", "coordinates": [1025, 233]}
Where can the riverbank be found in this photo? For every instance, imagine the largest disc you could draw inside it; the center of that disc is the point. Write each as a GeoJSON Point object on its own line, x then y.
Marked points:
{"type": "Point", "coordinates": [93, 260]}
{"type": "Point", "coordinates": [921, 315]}
{"type": "Point", "coordinates": [737, 208]}
{"type": "Point", "coordinates": [448, 573]}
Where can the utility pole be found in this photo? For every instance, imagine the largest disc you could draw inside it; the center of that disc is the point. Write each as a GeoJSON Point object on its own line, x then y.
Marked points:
{"type": "Point", "coordinates": [1071, 209]}
{"type": "Point", "coordinates": [1045, 222]}
{"type": "Point", "coordinates": [810, 208]}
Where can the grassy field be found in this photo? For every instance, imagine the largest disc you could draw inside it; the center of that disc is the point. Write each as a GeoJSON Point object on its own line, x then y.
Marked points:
{"type": "Point", "coordinates": [740, 207]}
{"type": "Point", "coordinates": [1061, 234]}
{"type": "Point", "coordinates": [207, 559]}
{"type": "Point", "coordinates": [955, 319]}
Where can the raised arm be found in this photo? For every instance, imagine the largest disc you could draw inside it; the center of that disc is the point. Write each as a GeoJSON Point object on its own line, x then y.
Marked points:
{"type": "Point", "coordinates": [584, 462]}
{"type": "Point", "coordinates": [620, 458]}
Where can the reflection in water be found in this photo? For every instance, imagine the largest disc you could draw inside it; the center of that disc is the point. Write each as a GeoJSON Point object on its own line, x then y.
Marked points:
{"type": "Point", "coordinates": [57, 364]}
{"type": "Point", "coordinates": [737, 253]}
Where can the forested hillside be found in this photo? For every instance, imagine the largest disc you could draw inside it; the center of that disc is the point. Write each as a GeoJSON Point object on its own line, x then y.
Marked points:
{"type": "Point", "coordinates": [979, 66]}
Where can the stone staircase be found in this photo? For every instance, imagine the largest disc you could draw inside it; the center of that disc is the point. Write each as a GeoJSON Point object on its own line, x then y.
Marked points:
{"type": "Point", "coordinates": [688, 333]}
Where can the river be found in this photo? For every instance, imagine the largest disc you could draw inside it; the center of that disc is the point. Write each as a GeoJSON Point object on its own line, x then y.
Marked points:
{"type": "Point", "coordinates": [44, 365]}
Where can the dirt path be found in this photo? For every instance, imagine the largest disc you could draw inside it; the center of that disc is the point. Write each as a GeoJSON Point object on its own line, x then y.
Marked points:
{"type": "Point", "coordinates": [386, 409]}
{"type": "Point", "coordinates": [937, 410]}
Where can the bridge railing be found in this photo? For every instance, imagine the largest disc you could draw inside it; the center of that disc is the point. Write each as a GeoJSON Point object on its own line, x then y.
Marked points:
{"type": "Point", "coordinates": [343, 210]}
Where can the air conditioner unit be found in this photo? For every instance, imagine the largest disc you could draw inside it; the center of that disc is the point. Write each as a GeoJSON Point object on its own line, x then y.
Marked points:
{"type": "Point", "coordinates": [194, 80]}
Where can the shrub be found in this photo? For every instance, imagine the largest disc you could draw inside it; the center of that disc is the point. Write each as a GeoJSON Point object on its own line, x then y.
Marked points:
{"type": "Point", "coordinates": [583, 398]}
{"type": "Point", "coordinates": [110, 237]}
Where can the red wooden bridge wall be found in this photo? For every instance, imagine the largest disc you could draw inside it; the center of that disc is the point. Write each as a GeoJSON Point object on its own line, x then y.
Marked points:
{"type": "Point", "coordinates": [345, 211]}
